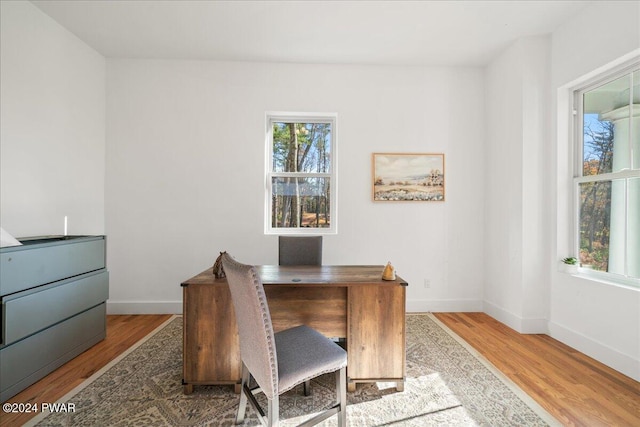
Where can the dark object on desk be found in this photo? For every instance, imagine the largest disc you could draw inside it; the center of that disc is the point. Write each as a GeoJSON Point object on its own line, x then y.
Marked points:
{"type": "Point", "coordinates": [278, 362]}
{"type": "Point", "coordinates": [218, 269]}
{"type": "Point", "coordinates": [305, 250]}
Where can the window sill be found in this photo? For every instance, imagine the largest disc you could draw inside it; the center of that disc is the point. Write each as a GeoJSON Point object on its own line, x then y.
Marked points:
{"type": "Point", "coordinates": [605, 278]}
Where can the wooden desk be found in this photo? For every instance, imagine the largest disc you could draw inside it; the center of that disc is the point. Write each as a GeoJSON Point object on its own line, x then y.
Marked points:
{"type": "Point", "coordinates": [351, 302]}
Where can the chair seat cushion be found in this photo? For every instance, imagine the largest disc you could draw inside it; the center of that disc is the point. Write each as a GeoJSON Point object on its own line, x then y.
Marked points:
{"type": "Point", "coordinates": [303, 354]}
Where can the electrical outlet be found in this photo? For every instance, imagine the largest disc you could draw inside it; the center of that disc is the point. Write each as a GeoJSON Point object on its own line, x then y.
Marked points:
{"type": "Point", "coordinates": [427, 283]}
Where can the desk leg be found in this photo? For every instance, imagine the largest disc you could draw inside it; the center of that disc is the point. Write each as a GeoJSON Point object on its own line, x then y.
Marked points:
{"type": "Point", "coordinates": [351, 386]}
{"type": "Point", "coordinates": [187, 388]}
{"type": "Point", "coordinates": [400, 386]}
{"type": "Point", "coordinates": [237, 388]}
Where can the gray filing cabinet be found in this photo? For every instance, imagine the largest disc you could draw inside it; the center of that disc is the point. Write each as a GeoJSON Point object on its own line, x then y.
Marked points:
{"type": "Point", "coordinates": [53, 293]}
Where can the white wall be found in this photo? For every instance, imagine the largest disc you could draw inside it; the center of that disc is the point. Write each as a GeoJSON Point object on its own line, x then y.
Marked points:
{"type": "Point", "coordinates": [516, 289]}
{"type": "Point", "coordinates": [185, 172]}
{"type": "Point", "coordinates": [599, 319]}
{"type": "Point", "coordinates": [185, 155]}
{"type": "Point", "coordinates": [52, 133]}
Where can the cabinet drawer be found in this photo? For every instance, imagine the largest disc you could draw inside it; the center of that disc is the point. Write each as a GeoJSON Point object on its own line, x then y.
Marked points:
{"type": "Point", "coordinates": [23, 267]}
{"type": "Point", "coordinates": [25, 315]}
{"type": "Point", "coordinates": [28, 360]}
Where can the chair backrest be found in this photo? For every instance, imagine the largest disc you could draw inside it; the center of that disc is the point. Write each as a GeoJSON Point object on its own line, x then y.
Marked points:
{"type": "Point", "coordinates": [305, 250]}
{"type": "Point", "coordinates": [257, 342]}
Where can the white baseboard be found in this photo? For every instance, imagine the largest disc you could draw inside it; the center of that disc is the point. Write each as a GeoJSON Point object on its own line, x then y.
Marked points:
{"type": "Point", "coordinates": [439, 306]}
{"type": "Point", "coordinates": [175, 307]}
{"type": "Point", "coordinates": [619, 361]}
{"type": "Point", "coordinates": [144, 307]}
{"type": "Point", "coordinates": [523, 326]}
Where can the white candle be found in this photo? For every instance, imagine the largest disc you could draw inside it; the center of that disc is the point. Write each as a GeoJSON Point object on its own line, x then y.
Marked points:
{"type": "Point", "coordinates": [65, 225]}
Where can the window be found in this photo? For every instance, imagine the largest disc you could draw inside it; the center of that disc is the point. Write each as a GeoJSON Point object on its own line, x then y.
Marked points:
{"type": "Point", "coordinates": [301, 174]}
{"type": "Point", "coordinates": [607, 178]}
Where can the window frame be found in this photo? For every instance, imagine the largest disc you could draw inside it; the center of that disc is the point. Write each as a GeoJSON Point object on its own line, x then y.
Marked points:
{"type": "Point", "coordinates": [579, 178]}
{"type": "Point", "coordinates": [298, 117]}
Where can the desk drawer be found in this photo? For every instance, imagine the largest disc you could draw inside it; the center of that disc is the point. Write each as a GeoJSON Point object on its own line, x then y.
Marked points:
{"type": "Point", "coordinates": [29, 312]}
{"type": "Point", "coordinates": [322, 308]}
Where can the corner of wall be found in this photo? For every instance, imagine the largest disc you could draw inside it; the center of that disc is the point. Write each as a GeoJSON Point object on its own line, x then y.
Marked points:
{"type": "Point", "coordinates": [517, 323]}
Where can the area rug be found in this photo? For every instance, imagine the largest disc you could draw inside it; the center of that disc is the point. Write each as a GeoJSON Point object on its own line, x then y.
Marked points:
{"type": "Point", "coordinates": [447, 384]}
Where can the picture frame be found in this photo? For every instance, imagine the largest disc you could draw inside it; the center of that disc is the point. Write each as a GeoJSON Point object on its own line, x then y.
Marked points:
{"type": "Point", "coordinates": [408, 177]}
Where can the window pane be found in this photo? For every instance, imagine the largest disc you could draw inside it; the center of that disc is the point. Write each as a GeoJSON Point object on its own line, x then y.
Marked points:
{"type": "Point", "coordinates": [302, 147]}
{"type": "Point", "coordinates": [300, 202]}
{"type": "Point", "coordinates": [609, 210]}
{"type": "Point", "coordinates": [595, 214]}
{"type": "Point", "coordinates": [606, 127]}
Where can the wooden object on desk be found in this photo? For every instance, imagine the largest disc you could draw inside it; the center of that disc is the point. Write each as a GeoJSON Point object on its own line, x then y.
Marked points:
{"type": "Point", "coordinates": [351, 302]}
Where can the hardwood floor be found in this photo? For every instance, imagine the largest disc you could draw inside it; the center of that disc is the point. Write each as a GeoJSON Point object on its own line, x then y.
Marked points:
{"type": "Point", "coordinates": [122, 333]}
{"type": "Point", "coordinates": [574, 388]}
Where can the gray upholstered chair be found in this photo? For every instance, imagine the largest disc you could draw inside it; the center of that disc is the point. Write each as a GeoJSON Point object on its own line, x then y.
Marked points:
{"type": "Point", "coordinates": [306, 250]}
{"type": "Point", "coordinates": [278, 361]}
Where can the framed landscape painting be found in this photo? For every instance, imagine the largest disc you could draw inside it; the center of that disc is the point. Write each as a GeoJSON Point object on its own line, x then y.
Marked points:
{"type": "Point", "coordinates": [411, 177]}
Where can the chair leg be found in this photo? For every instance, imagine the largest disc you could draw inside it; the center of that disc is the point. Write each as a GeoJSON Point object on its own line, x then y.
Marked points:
{"type": "Point", "coordinates": [341, 392]}
{"type": "Point", "coordinates": [307, 388]}
{"type": "Point", "coordinates": [242, 406]}
{"type": "Point", "coordinates": [273, 412]}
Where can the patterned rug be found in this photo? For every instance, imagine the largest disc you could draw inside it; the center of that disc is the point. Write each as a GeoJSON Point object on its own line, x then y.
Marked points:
{"type": "Point", "coordinates": [448, 384]}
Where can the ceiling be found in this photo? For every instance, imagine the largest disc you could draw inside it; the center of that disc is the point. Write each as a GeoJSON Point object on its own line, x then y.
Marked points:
{"type": "Point", "coordinates": [446, 33]}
